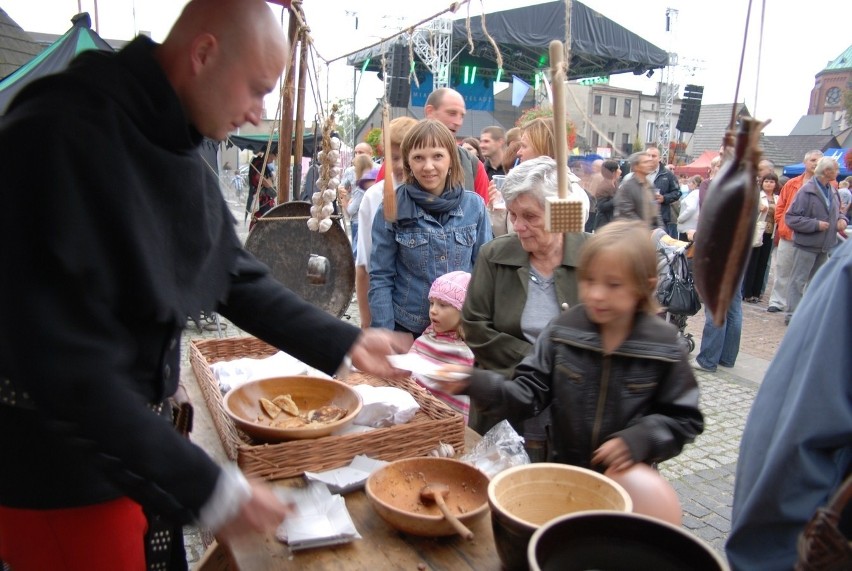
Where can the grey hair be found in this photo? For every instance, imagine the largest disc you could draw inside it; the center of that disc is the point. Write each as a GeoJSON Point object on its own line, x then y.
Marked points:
{"type": "Point", "coordinates": [535, 177]}
{"type": "Point", "coordinates": [814, 153]}
{"type": "Point", "coordinates": [825, 163]}
{"type": "Point", "coordinates": [636, 157]}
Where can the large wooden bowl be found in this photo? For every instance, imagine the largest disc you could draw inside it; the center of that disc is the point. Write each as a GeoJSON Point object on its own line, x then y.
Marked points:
{"type": "Point", "coordinates": [526, 497]}
{"type": "Point", "coordinates": [394, 492]}
{"type": "Point", "coordinates": [242, 404]}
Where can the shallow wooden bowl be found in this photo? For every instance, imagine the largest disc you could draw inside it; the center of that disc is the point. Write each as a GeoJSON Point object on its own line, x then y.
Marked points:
{"type": "Point", "coordinates": [242, 404]}
{"type": "Point", "coordinates": [394, 493]}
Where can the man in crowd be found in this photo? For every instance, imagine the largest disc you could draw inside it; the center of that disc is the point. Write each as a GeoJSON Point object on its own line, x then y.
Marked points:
{"type": "Point", "coordinates": [784, 252]}
{"type": "Point", "coordinates": [814, 216]}
{"type": "Point", "coordinates": [796, 448]}
{"type": "Point", "coordinates": [668, 190]}
{"type": "Point", "coordinates": [447, 106]}
{"type": "Point", "coordinates": [635, 198]}
{"type": "Point", "coordinates": [492, 145]}
{"type": "Point", "coordinates": [91, 316]}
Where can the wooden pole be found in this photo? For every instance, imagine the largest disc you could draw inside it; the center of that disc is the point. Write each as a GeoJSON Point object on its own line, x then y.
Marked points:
{"type": "Point", "coordinates": [389, 193]}
{"type": "Point", "coordinates": [299, 145]}
{"type": "Point", "coordinates": [285, 144]}
{"type": "Point", "coordinates": [565, 213]}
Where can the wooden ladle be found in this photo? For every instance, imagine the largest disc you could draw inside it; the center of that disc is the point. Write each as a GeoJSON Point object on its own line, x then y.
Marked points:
{"type": "Point", "coordinates": [436, 493]}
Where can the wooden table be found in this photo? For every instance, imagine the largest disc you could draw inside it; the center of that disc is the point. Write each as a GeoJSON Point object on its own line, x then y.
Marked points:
{"type": "Point", "coordinates": [381, 547]}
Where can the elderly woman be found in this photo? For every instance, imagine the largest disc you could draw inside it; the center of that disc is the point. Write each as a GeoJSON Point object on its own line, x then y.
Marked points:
{"type": "Point", "coordinates": [520, 282]}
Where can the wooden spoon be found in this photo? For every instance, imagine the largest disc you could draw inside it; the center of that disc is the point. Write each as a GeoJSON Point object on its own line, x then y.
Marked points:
{"type": "Point", "coordinates": [435, 493]}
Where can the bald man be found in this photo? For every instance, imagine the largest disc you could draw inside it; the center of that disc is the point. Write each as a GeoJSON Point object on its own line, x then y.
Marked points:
{"type": "Point", "coordinates": [447, 106]}
{"type": "Point", "coordinates": [135, 237]}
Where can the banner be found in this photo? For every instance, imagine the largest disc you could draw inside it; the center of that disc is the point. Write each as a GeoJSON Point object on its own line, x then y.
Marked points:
{"type": "Point", "coordinates": [519, 90]}
{"type": "Point", "coordinates": [476, 95]}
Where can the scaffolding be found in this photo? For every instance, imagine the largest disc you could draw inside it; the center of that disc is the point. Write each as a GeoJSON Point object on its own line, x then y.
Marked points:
{"type": "Point", "coordinates": [433, 45]}
{"type": "Point", "coordinates": [668, 90]}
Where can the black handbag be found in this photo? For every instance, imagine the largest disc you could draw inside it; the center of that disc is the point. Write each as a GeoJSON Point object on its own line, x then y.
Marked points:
{"type": "Point", "coordinates": [676, 291]}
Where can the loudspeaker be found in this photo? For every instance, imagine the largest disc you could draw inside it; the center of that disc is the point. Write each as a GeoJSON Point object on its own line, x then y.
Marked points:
{"type": "Point", "coordinates": [399, 88]}
{"type": "Point", "coordinates": [690, 107]}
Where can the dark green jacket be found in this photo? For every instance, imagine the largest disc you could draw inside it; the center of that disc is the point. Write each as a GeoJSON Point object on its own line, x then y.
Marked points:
{"type": "Point", "coordinates": [497, 294]}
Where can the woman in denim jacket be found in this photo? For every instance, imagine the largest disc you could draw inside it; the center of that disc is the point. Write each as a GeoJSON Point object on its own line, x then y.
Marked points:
{"type": "Point", "coordinates": [439, 229]}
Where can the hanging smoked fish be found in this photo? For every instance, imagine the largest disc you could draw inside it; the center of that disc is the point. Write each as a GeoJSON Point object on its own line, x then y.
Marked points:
{"type": "Point", "coordinates": [726, 222]}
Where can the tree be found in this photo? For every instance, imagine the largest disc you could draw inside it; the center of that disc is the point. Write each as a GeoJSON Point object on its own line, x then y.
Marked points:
{"type": "Point", "coordinates": [542, 112]}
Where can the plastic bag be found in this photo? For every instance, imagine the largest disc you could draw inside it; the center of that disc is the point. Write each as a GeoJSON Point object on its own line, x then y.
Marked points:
{"type": "Point", "coordinates": [500, 448]}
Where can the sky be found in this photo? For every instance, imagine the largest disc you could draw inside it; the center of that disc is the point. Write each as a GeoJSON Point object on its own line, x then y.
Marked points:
{"type": "Point", "coordinates": [798, 41]}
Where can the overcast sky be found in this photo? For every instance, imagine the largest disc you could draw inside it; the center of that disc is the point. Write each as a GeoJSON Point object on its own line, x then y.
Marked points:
{"type": "Point", "coordinates": [799, 40]}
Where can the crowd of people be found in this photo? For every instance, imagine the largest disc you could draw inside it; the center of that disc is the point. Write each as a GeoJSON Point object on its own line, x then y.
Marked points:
{"type": "Point", "coordinates": [558, 333]}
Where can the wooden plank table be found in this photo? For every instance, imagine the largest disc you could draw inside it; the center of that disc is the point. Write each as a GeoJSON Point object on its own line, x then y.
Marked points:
{"type": "Point", "coordinates": [381, 547]}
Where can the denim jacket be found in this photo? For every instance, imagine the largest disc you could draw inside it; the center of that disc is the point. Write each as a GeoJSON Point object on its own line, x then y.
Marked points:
{"type": "Point", "coordinates": [409, 254]}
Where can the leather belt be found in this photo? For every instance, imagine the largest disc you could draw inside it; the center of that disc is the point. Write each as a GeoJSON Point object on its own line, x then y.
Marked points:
{"type": "Point", "coordinates": [16, 398]}
{"type": "Point", "coordinates": [11, 396]}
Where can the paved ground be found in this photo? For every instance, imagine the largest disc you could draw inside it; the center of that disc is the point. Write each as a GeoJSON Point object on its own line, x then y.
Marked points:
{"type": "Point", "coordinates": [703, 474]}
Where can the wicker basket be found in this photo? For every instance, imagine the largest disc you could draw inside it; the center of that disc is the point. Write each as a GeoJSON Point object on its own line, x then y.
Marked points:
{"type": "Point", "coordinates": [435, 422]}
{"type": "Point", "coordinates": [822, 546]}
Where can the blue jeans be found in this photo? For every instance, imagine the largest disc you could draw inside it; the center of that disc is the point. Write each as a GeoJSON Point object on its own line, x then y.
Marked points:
{"type": "Point", "coordinates": [721, 345]}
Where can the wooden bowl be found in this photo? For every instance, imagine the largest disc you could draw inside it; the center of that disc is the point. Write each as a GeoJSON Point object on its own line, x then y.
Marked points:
{"type": "Point", "coordinates": [526, 497]}
{"type": "Point", "coordinates": [394, 492]}
{"type": "Point", "coordinates": [618, 542]}
{"type": "Point", "coordinates": [242, 404]}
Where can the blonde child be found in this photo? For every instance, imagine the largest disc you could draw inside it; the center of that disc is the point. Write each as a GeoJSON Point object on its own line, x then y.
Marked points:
{"type": "Point", "coordinates": [620, 384]}
{"type": "Point", "coordinates": [442, 341]}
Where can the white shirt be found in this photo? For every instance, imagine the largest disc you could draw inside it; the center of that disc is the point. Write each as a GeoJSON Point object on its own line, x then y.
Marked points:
{"type": "Point", "coordinates": [369, 206]}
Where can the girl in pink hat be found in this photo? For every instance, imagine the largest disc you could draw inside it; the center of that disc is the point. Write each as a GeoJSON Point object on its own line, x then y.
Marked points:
{"type": "Point", "coordinates": [442, 341]}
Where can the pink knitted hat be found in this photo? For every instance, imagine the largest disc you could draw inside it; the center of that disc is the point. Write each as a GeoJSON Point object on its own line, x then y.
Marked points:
{"type": "Point", "coordinates": [451, 288]}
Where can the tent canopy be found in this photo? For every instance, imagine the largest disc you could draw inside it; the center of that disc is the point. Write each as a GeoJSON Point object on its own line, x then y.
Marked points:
{"type": "Point", "coordinates": [258, 142]}
{"type": "Point", "coordinates": [700, 166]}
{"type": "Point", "coordinates": [839, 154]}
{"type": "Point", "coordinates": [55, 58]}
{"type": "Point", "coordinates": [599, 46]}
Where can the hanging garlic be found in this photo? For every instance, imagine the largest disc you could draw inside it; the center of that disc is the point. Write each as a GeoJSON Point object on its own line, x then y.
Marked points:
{"type": "Point", "coordinates": [328, 181]}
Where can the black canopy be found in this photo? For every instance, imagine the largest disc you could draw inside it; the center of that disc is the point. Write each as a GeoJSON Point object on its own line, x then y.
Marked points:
{"type": "Point", "coordinates": [599, 46]}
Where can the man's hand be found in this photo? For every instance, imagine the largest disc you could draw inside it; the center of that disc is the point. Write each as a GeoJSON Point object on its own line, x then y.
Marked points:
{"type": "Point", "coordinates": [262, 513]}
{"type": "Point", "coordinates": [614, 454]}
{"type": "Point", "coordinates": [823, 225]}
{"type": "Point", "coordinates": [371, 349]}
{"type": "Point", "coordinates": [841, 225]}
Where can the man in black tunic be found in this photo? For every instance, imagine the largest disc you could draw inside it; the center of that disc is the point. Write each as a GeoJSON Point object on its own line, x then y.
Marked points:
{"type": "Point", "coordinates": [131, 236]}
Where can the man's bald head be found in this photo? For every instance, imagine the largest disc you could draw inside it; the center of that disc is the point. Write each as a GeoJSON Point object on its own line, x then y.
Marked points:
{"type": "Point", "coordinates": [222, 57]}
{"type": "Point", "coordinates": [447, 106]}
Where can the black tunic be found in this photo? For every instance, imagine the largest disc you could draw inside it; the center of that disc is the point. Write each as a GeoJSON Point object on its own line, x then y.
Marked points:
{"type": "Point", "coordinates": [114, 231]}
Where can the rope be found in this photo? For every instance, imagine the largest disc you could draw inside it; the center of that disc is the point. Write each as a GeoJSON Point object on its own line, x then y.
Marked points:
{"type": "Point", "coordinates": [759, 54]}
{"type": "Point", "coordinates": [452, 8]}
{"type": "Point", "coordinates": [740, 73]}
{"type": "Point", "coordinates": [489, 38]}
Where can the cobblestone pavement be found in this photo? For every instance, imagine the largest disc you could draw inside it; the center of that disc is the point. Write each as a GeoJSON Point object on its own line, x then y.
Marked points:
{"type": "Point", "coordinates": [703, 475]}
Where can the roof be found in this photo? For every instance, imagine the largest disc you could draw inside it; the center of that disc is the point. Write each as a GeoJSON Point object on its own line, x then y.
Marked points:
{"type": "Point", "coordinates": [813, 125]}
{"type": "Point", "coordinates": [713, 121]}
{"type": "Point", "coordinates": [843, 61]}
{"type": "Point", "coordinates": [79, 38]}
{"type": "Point", "coordinates": [789, 149]}
{"type": "Point", "coordinates": [16, 46]}
{"type": "Point", "coordinates": [599, 46]}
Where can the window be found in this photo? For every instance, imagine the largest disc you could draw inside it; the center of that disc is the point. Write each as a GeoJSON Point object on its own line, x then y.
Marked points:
{"type": "Point", "coordinates": [598, 103]}
{"type": "Point", "coordinates": [613, 103]}
{"type": "Point", "coordinates": [611, 137]}
{"type": "Point", "coordinates": [595, 140]}
{"type": "Point", "coordinates": [628, 107]}
{"type": "Point", "coordinates": [650, 131]}
{"type": "Point", "coordinates": [626, 147]}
